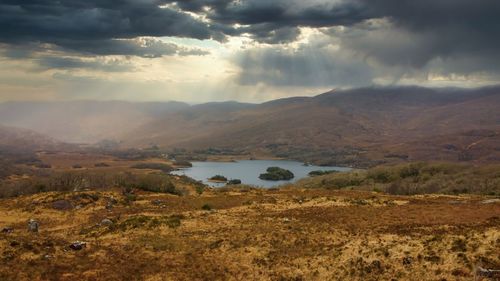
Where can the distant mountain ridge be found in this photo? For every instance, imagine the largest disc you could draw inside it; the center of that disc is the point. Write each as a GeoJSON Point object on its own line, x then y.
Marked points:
{"type": "Point", "coordinates": [358, 127]}
{"type": "Point", "coordinates": [352, 127]}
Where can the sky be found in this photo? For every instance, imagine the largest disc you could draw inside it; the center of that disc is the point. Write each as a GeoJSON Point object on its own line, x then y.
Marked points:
{"type": "Point", "coordinates": [245, 50]}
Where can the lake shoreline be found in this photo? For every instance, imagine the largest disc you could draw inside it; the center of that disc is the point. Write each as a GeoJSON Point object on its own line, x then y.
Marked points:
{"type": "Point", "coordinates": [248, 171]}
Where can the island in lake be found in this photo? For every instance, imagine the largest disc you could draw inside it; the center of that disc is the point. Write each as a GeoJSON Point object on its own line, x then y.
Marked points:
{"type": "Point", "coordinates": [276, 174]}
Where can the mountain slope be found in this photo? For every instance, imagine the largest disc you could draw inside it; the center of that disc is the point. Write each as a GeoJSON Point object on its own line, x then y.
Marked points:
{"type": "Point", "coordinates": [17, 138]}
{"type": "Point", "coordinates": [349, 127]}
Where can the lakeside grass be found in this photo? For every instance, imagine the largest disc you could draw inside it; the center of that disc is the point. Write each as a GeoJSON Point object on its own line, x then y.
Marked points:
{"type": "Point", "coordinates": [415, 178]}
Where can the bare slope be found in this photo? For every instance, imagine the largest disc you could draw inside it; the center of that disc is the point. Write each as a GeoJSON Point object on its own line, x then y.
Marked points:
{"type": "Point", "coordinates": [346, 126]}
{"type": "Point", "coordinates": [11, 137]}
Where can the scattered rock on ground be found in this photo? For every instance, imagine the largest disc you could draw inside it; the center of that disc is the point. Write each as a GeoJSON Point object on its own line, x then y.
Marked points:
{"type": "Point", "coordinates": [7, 229]}
{"type": "Point", "coordinates": [78, 245]}
{"type": "Point", "coordinates": [407, 260]}
{"type": "Point", "coordinates": [157, 202]}
{"type": "Point", "coordinates": [110, 203]}
{"type": "Point", "coordinates": [33, 225]}
{"type": "Point", "coordinates": [107, 222]}
{"type": "Point", "coordinates": [62, 205]}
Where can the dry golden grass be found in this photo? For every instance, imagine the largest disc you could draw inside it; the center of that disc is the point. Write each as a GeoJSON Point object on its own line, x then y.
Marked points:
{"type": "Point", "coordinates": [289, 234]}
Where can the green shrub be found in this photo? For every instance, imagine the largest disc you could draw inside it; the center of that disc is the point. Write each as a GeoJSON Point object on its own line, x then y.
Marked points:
{"type": "Point", "coordinates": [218, 178]}
{"type": "Point", "coordinates": [276, 174]}
{"type": "Point", "coordinates": [321, 173]}
{"type": "Point", "coordinates": [234, 181]}
{"type": "Point", "coordinates": [206, 207]}
{"type": "Point", "coordinates": [380, 175]}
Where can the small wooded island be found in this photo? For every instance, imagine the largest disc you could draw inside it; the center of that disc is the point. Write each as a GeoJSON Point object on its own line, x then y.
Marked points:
{"type": "Point", "coordinates": [218, 178]}
{"type": "Point", "coordinates": [276, 174]}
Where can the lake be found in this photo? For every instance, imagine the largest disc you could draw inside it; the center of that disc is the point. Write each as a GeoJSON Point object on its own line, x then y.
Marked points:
{"type": "Point", "coordinates": [248, 171]}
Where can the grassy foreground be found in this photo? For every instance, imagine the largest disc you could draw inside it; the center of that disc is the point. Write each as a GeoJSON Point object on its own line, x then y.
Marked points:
{"type": "Point", "coordinates": [249, 234]}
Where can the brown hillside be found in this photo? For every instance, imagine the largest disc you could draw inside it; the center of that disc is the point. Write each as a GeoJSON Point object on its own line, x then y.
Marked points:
{"type": "Point", "coordinates": [374, 124]}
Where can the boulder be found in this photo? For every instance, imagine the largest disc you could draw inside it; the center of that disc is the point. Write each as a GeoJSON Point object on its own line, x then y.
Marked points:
{"type": "Point", "coordinates": [62, 205]}
{"type": "Point", "coordinates": [7, 229]}
{"type": "Point", "coordinates": [78, 245]}
{"type": "Point", "coordinates": [107, 222]}
{"type": "Point", "coordinates": [33, 225]}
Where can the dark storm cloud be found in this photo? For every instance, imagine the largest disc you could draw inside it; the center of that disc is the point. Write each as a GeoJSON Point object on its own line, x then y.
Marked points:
{"type": "Point", "coordinates": [423, 30]}
{"type": "Point", "coordinates": [86, 24]}
{"type": "Point", "coordinates": [403, 37]}
{"type": "Point", "coordinates": [45, 63]}
{"type": "Point", "coordinates": [450, 36]}
{"type": "Point", "coordinates": [275, 21]}
{"type": "Point", "coordinates": [444, 27]}
{"type": "Point", "coordinates": [148, 48]}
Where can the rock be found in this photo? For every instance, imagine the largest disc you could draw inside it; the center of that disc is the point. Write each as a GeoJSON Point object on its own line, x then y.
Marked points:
{"type": "Point", "coordinates": [62, 205]}
{"type": "Point", "coordinates": [110, 203]}
{"type": "Point", "coordinates": [491, 201]}
{"type": "Point", "coordinates": [157, 202]}
{"type": "Point", "coordinates": [7, 229]}
{"type": "Point", "coordinates": [286, 220]}
{"type": "Point", "coordinates": [33, 225]}
{"type": "Point", "coordinates": [107, 222]}
{"type": "Point", "coordinates": [78, 245]}
{"type": "Point", "coordinates": [488, 273]}
{"type": "Point", "coordinates": [407, 260]}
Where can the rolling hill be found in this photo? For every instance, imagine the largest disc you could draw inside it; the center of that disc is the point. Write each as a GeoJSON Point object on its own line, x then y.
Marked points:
{"type": "Point", "coordinates": [358, 127]}
{"type": "Point", "coordinates": [16, 138]}
{"type": "Point", "coordinates": [352, 127]}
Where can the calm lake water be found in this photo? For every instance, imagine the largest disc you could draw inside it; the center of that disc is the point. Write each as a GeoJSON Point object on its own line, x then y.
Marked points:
{"type": "Point", "coordinates": [248, 171]}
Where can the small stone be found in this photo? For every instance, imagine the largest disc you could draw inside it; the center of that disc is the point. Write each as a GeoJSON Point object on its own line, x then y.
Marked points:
{"type": "Point", "coordinates": [78, 245]}
{"type": "Point", "coordinates": [110, 203]}
{"type": "Point", "coordinates": [7, 229]}
{"type": "Point", "coordinates": [407, 260]}
{"type": "Point", "coordinates": [33, 225]}
{"type": "Point", "coordinates": [158, 202]}
{"type": "Point", "coordinates": [286, 220]}
{"type": "Point", "coordinates": [62, 205]}
{"type": "Point", "coordinates": [107, 222]}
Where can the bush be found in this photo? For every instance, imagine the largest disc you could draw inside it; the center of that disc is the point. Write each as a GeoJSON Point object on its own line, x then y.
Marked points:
{"type": "Point", "coordinates": [380, 175]}
{"type": "Point", "coordinates": [276, 174]}
{"type": "Point", "coordinates": [412, 170]}
{"type": "Point", "coordinates": [234, 181]}
{"type": "Point", "coordinates": [206, 207]}
{"type": "Point", "coordinates": [321, 173]}
{"type": "Point", "coordinates": [218, 178]}
{"type": "Point", "coordinates": [152, 183]}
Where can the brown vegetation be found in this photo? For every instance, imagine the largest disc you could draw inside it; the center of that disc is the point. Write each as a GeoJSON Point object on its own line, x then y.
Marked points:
{"type": "Point", "coordinates": [415, 178]}
{"type": "Point", "coordinates": [249, 234]}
